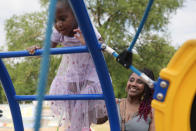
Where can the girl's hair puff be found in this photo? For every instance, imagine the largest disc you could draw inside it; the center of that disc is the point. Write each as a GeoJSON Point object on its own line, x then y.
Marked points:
{"type": "Point", "coordinates": [64, 3]}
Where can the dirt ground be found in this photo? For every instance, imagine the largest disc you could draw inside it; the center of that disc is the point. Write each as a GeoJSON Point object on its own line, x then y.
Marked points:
{"type": "Point", "coordinates": [49, 123]}
{"type": "Point", "coordinates": [42, 129]}
{"type": "Point", "coordinates": [103, 127]}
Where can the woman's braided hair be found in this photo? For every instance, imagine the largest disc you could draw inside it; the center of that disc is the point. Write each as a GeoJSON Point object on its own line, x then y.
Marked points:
{"type": "Point", "coordinates": [145, 106]}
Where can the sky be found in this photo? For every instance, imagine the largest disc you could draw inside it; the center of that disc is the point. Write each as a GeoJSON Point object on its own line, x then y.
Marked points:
{"type": "Point", "coordinates": [182, 25]}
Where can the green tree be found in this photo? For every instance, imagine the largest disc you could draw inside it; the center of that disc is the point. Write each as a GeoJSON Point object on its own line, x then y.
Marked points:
{"type": "Point", "coordinates": [118, 20]}
{"type": "Point", "coordinates": [25, 30]}
{"type": "Point", "coordinates": [154, 52]}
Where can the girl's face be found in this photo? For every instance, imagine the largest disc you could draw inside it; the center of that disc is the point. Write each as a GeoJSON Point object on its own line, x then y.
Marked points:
{"type": "Point", "coordinates": [65, 21]}
{"type": "Point", "coordinates": [135, 86]}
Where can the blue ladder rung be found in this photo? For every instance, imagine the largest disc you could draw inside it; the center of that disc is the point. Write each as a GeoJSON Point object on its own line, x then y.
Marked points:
{"type": "Point", "coordinates": [53, 51]}
{"type": "Point", "coordinates": [61, 97]}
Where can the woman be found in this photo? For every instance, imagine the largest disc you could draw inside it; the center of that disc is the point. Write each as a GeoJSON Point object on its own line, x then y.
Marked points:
{"type": "Point", "coordinates": [135, 111]}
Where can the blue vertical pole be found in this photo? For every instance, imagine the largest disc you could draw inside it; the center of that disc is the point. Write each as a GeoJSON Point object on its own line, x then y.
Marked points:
{"type": "Point", "coordinates": [144, 18]}
{"type": "Point", "coordinates": [44, 65]}
{"type": "Point", "coordinates": [10, 94]}
{"type": "Point", "coordinates": [93, 46]}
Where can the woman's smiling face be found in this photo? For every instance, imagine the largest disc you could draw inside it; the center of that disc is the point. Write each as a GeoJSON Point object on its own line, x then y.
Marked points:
{"type": "Point", "coordinates": [135, 86]}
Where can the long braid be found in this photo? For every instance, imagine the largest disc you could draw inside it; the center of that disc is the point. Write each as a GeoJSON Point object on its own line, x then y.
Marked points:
{"type": "Point", "coordinates": [145, 106]}
{"type": "Point", "coordinates": [145, 109]}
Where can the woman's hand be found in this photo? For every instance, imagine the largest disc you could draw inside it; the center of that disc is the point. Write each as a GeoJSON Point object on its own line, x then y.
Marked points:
{"type": "Point", "coordinates": [117, 101]}
{"type": "Point", "coordinates": [78, 35]}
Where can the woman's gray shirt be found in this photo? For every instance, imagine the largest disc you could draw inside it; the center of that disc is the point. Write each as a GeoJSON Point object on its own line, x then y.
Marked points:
{"type": "Point", "coordinates": [135, 124]}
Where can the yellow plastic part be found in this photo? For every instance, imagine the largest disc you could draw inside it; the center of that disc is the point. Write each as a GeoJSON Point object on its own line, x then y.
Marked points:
{"type": "Point", "coordinates": [174, 113]}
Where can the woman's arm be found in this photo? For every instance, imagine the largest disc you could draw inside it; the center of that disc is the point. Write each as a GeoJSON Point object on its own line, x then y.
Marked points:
{"type": "Point", "coordinates": [152, 124]}
{"type": "Point", "coordinates": [105, 118]}
{"type": "Point", "coordinates": [54, 44]}
{"type": "Point", "coordinates": [102, 120]}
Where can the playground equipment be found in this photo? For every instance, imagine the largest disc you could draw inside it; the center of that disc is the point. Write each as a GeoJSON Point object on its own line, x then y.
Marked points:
{"type": "Point", "coordinates": [174, 113]}
{"type": "Point", "coordinates": [93, 47]}
{"type": "Point", "coordinates": [174, 91]}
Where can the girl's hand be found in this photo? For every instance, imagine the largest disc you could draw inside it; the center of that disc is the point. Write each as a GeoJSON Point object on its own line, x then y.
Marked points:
{"type": "Point", "coordinates": [79, 36]}
{"type": "Point", "coordinates": [32, 49]}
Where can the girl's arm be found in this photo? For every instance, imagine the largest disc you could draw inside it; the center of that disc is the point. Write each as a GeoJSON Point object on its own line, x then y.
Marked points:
{"type": "Point", "coordinates": [78, 35]}
{"type": "Point", "coordinates": [101, 40]}
{"type": "Point", "coordinates": [32, 49]}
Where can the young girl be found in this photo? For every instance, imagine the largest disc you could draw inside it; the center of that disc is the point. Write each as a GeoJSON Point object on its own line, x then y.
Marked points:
{"type": "Point", "coordinates": [76, 75]}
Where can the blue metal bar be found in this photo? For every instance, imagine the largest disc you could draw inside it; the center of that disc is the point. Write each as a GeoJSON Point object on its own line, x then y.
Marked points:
{"type": "Point", "coordinates": [92, 43]}
{"type": "Point", "coordinates": [141, 24]}
{"type": "Point", "coordinates": [144, 77]}
{"type": "Point", "coordinates": [135, 70]}
{"type": "Point", "coordinates": [131, 66]}
{"type": "Point", "coordinates": [44, 65]}
{"type": "Point", "coordinates": [10, 93]}
{"type": "Point", "coordinates": [115, 54]}
{"type": "Point", "coordinates": [53, 51]}
{"type": "Point", "coordinates": [61, 97]}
